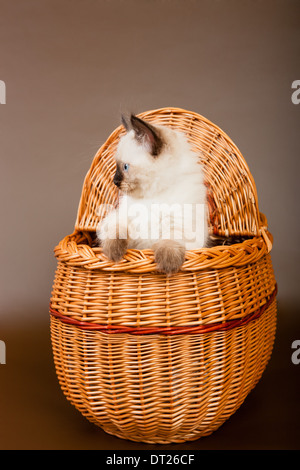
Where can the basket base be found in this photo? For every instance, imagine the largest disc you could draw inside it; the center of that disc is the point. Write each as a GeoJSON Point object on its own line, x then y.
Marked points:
{"type": "Point", "coordinates": [170, 389]}
{"type": "Point", "coordinates": [180, 440]}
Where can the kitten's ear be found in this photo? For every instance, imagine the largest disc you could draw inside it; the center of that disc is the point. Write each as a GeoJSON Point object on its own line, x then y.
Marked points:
{"type": "Point", "coordinates": [147, 135]}
{"type": "Point", "coordinates": [126, 122]}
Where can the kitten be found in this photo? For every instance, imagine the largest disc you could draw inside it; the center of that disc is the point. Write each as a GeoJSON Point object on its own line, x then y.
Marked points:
{"type": "Point", "coordinates": [163, 203]}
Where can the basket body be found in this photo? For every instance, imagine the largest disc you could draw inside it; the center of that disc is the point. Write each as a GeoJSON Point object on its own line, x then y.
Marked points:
{"type": "Point", "coordinates": [157, 359]}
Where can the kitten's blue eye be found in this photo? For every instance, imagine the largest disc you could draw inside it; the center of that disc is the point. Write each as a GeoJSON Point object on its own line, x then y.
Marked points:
{"type": "Point", "coordinates": [126, 166]}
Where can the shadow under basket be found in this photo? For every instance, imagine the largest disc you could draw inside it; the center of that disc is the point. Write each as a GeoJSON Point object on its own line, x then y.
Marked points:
{"type": "Point", "coordinates": [160, 359]}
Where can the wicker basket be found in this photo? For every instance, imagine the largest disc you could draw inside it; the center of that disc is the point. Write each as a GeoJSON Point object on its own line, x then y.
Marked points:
{"type": "Point", "coordinates": [163, 359]}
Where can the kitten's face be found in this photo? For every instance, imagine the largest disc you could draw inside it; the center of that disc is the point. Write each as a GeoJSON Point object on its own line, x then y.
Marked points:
{"type": "Point", "coordinates": [129, 177]}
{"type": "Point", "coordinates": [138, 157]}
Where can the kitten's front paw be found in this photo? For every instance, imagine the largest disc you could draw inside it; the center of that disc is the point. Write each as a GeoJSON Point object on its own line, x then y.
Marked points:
{"type": "Point", "coordinates": [114, 249]}
{"type": "Point", "coordinates": [169, 256]}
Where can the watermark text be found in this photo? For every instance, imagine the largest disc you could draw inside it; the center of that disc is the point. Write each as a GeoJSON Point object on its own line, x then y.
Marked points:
{"type": "Point", "coordinates": [2, 352]}
{"type": "Point", "coordinates": [296, 94]}
{"type": "Point", "coordinates": [153, 221]}
{"type": "Point", "coordinates": [2, 92]}
{"type": "Point", "coordinates": [296, 354]}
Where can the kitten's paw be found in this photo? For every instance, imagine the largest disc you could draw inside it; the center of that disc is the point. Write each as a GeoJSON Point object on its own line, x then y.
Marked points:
{"type": "Point", "coordinates": [169, 256]}
{"type": "Point", "coordinates": [114, 249]}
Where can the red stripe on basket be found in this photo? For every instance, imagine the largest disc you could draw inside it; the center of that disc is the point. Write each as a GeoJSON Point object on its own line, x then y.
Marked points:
{"type": "Point", "coordinates": [175, 330]}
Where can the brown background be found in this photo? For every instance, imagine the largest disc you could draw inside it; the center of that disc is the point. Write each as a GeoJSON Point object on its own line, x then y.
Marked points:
{"type": "Point", "coordinates": [70, 67]}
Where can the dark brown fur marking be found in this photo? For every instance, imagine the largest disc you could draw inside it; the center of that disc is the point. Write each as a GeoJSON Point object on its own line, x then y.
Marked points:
{"type": "Point", "coordinates": [118, 177]}
{"type": "Point", "coordinates": [169, 256]}
{"type": "Point", "coordinates": [114, 249]}
{"type": "Point", "coordinates": [144, 131]}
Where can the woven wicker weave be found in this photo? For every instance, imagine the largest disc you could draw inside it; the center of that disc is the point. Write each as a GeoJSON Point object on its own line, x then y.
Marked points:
{"type": "Point", "coordinates": [166, 359]}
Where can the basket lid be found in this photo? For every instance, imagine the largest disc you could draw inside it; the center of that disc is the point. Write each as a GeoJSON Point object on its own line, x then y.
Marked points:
{"type": "Point", "coordinates": [232, 195]}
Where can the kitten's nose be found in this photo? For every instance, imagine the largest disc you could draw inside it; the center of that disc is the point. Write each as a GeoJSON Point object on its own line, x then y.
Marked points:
{"type": "Point", "coordinates": [118, 178]}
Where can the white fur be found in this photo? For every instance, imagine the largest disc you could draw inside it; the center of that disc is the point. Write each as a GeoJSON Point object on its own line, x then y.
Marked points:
{"type": "Point", "coordinates": [175, 178]}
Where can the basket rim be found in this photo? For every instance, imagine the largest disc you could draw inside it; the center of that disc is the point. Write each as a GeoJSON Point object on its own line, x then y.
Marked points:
{"type": "Point", "coordinates": [74, 250]}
